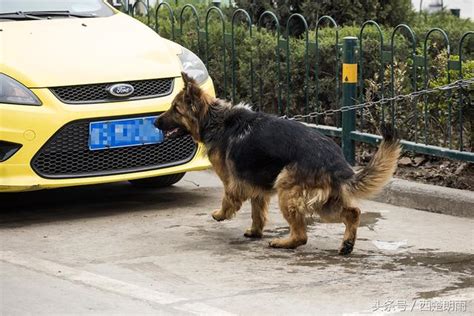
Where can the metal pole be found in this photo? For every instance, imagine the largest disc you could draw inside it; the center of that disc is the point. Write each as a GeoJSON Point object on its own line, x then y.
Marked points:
{"type": "Point", "coordinates": [349, 95]}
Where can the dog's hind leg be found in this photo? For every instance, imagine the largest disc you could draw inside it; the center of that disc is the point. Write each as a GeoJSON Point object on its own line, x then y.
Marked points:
{"type": "Point", "coordinates": [259, 216]}
{"type": "Point", "coordinates": [350, 216]}
{"type": "Point", "coordinates": [231, 203]}
{"type": "Point", "coordinates": [292, 205]}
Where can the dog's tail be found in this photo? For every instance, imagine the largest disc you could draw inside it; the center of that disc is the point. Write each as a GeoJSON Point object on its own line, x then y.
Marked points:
{"type": "Point", "coordinates": [371, 179]}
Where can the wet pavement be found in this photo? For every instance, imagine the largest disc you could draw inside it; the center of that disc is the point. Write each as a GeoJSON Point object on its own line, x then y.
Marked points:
{"type": "Point", "coordinates": [114, 249]}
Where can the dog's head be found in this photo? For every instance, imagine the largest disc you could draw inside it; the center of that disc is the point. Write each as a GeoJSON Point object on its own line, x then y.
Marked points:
{"type": "Point", "coordinates": [188, 108]}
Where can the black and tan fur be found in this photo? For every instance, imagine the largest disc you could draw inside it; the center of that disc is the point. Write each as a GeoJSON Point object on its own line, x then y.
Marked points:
{"type": "Point", "coordinates": [256, 155]}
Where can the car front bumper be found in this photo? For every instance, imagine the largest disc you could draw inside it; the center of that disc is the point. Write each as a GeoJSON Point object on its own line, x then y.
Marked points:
{"type": "Point", "coordinates": [33, 126]}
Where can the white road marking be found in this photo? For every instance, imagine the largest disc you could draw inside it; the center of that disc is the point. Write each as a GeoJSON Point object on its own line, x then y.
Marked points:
{"type": "Point", "coordinates": [108, 284]}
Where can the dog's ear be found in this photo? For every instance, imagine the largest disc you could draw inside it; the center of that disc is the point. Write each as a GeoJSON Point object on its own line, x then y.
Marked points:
{"type": "Point", "coordinates": [197, 100]}
{"type": "Point", "coordinates": [191, 88]}
{"type": "Point", "coordinates": [187, 79]}
{"type": "Point", "coordinates": [192, 91]}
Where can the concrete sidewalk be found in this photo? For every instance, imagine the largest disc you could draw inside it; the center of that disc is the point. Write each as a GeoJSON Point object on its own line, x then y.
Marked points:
{"type": "Point", "coordinates": [112, 249]}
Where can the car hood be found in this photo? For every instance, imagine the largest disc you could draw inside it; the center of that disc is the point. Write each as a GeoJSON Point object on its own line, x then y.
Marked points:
{"type": "Point", "coordinates": [70, 51]}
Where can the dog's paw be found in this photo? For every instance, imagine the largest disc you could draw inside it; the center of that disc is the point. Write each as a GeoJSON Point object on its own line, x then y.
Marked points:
{"type": "Point", "coordinates": [249, 233]}
{"type": "Point", "coordinates": [218, 215]}
{"type": "Point", "coordinates": [346, 248]}
{"type": "Point", "coordinates": [276, 243]}
{"type": "Point", "coordinates": [286, 243]}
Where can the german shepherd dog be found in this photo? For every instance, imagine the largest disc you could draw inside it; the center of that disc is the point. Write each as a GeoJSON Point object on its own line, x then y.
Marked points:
{"type": "Point", "coordinates": [256, 154]}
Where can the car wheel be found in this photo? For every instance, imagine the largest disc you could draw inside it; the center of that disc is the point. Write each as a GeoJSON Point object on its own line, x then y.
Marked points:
{"type": "Point", "coordinates": [158, 182]}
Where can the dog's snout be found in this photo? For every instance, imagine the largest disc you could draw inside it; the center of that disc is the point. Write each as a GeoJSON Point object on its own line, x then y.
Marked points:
{"type": "Point", "coordinates": [163, 122]}
{"type": "Point", "coordinates": [157, 122]}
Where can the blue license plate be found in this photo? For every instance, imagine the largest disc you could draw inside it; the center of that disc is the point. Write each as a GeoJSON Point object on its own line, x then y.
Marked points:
{"type": "Point", "coordinates": [123, 133]}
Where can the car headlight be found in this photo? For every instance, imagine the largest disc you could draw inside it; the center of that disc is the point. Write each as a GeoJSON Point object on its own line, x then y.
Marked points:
{"type": "Point", "coordinates": [193, 66]}
{"type": "Point", "coordinates": [11, 91]}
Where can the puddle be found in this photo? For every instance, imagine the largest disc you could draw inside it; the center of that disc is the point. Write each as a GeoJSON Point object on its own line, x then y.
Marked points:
{"type": "Point", "coordinates": [324, 259]}
{"type": "Point", "coordinates": [375, 262]}
{"type": "Point", "coordinates": [462, 283]}
{"type": "Point", "coordinates": [444, 262]}
{"type": "Point", "coordinates": [369, 219]}
{"type": "Point", "coordinates": [444, 271]}
{"type": "Point", "coordinates": [229, 243]}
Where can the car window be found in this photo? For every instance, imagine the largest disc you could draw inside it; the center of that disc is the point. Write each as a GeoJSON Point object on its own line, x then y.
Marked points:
{"type": "Point", "coordinates": [94, 7]}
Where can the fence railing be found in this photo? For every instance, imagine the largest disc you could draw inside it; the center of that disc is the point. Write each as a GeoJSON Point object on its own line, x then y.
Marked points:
{"type": "Point", "coordinates": [349, 76]}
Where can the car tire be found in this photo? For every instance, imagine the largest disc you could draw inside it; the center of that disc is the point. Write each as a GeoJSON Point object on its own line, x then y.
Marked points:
{"type": "Point", "coordinates": [158, 182]}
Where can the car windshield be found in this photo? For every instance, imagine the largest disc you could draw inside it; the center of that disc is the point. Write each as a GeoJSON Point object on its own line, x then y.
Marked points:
{"type": "Point", "coordinates": [73, 7]}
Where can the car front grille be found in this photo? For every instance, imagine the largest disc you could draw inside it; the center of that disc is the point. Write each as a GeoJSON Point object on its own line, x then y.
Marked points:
{"type": "Point", "coordinates": [67, 154]}
{"type": "Point", "coordinates": [97, 93]}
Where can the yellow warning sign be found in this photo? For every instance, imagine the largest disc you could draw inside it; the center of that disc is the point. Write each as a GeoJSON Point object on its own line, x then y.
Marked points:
{"type": "Point", "coordinates": [349, 73]}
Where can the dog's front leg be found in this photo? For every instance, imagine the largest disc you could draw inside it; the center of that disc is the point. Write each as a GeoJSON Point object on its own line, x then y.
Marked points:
{"type": "Point", "coordinates": [231, 203]}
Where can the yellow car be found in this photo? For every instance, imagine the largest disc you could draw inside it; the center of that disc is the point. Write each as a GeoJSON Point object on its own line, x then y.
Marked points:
{"type": "Point", "coordinates": [80, 86]}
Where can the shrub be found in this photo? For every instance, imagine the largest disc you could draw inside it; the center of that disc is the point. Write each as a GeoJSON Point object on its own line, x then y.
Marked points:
{"type": "Point", "coordinates": [347, 12]}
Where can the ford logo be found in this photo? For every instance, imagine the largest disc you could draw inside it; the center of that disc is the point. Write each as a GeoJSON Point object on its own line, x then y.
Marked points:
{"type": "Point", "coordinates": [121, 90]}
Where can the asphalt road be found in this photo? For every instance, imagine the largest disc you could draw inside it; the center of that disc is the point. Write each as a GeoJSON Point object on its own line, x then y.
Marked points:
{"type": "Point", "coordinates": [114, 249]}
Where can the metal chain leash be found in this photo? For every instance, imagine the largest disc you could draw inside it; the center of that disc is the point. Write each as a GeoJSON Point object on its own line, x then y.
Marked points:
{"type": "Point", "coordinates": [459, 84]}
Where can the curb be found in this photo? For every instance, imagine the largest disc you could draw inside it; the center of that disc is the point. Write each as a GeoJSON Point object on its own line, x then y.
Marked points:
{"type": "Point", "coordinates": [428, 197]}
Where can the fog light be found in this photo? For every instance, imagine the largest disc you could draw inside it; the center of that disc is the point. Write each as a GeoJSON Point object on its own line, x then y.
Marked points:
{"type": "Point", "coordinates": [8, 149]}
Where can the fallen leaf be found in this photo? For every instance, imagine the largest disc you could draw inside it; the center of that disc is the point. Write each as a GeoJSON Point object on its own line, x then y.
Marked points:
{"type": "Point", "coordinates": [405, 161]}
